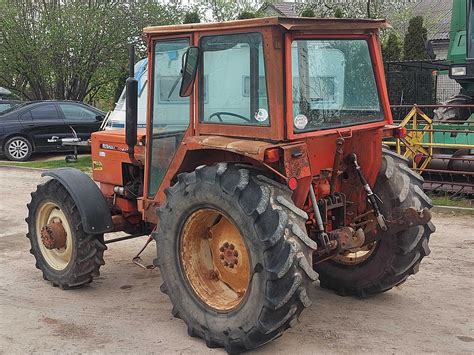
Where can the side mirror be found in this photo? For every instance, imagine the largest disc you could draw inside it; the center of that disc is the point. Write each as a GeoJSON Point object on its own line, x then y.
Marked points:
{"type": "Point", "coordinates": [189, 70]}
{"type": "Point", "coordinates": [99, 118]}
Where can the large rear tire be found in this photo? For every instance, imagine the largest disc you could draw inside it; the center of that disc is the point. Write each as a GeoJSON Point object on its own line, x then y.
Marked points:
{"type": "Point", "coordinates": [392, 259]}
{"type": "Point", "coordinates": [78, 260]}
{"type": "Point", "coordinates": [273, 268]}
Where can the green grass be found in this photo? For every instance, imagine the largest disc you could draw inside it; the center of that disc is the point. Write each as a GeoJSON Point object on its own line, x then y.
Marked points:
{"type": "Point", "coordinates": [84, 163]}
{"type": "Point", "coordinates": [447, 200]}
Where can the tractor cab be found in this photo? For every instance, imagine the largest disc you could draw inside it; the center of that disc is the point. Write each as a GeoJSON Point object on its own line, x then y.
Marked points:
{"type": "Point", "coordinates": [261, 169]}
{"type": "Point", "coordinates": [254, 86]}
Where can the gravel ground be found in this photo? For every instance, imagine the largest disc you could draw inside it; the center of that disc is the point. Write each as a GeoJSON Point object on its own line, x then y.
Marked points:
{"type": "Point", "coordinates": [124, 311]}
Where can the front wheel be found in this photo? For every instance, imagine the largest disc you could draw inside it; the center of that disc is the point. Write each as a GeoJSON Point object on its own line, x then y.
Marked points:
{"type": "Point", "coordinates": [234, 256]}
{"type": "Point", "coordinates": [391, 260]}
{"type": "Point", "coordinates": [18, 149]}
{"type": "Point", "coordinates": [67, 256]}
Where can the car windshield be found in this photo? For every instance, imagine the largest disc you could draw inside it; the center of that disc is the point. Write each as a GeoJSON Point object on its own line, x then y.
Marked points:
{"type": "Point", "coordinates": [333, 84]}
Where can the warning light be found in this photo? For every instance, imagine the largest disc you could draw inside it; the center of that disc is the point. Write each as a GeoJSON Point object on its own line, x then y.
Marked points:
{"type": "Point", "coordinates": [272, 155]}
{"type": "Point", "coordinates": [292, 184]}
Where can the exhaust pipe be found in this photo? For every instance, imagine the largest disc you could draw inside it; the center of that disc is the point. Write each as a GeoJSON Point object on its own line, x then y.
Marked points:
{"type": "Point", "coordinates": [131, 103]}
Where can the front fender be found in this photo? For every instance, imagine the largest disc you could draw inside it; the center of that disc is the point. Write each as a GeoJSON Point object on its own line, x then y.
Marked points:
{"type": "Point", "coordinates": [91, 204]}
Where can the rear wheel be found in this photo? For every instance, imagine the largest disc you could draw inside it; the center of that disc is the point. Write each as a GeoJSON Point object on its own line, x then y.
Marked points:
{"type": "Point", "coordinates": [390, 261]}
{"type": "Point", "coordinates": [67, 256]}
{"type": "Point", "coordinates": [234, 256]}
{"type": "Point", "coordinates": [18, 149]}
{"type": "Point", "coordinates": [447, 113]}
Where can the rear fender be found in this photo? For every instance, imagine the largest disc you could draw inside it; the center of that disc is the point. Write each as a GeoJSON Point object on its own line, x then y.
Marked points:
{"type": "Point", "coordinates": [91, 204]}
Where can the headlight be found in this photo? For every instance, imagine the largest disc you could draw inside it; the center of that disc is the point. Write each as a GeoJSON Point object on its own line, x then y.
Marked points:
{"type": "Point", "coordinates": [458, 71]}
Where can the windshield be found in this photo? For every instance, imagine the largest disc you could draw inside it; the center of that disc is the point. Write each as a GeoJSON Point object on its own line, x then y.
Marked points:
{"type": "Point", "coordinates": [333, 84]}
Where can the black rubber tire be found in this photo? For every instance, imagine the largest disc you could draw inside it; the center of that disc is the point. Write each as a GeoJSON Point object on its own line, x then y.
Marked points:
{"type": "Point", "coordinates": [15, 139]}
{"type": "Point", "coordinates": [88, 252]}
{"type": "Point", "coordinates": [446, 114]}
{"type": "Point", "coordinates": [396, 257]}
{"type": "Point", "coordinates": [279, 249]}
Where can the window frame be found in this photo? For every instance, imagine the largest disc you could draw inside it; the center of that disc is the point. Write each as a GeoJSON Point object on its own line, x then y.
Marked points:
{"type": "Point", "coordinates": [178, 156]}
{"type": "Point", "coordinates": [379, 76]}
{"type": "Point", "coordinates": [201, 75]}
{"type": "Point", "coordinates": [273, 64]}
{"type": "Point", "coordinates": [59, 114]}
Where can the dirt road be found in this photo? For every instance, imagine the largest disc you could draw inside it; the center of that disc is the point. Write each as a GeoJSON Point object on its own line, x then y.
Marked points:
{"type": "Point", "coordinates": [124, 310]}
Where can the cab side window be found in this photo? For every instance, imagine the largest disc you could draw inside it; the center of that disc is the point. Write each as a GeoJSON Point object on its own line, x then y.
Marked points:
{"type": "Point", "coordinates": [234, 69]}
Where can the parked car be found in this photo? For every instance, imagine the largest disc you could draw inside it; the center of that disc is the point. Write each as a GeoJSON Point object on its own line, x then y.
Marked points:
{"type": "Point", "coordinates": [9, 104]}
{"type": "Point", "coordinates": [30, 127]}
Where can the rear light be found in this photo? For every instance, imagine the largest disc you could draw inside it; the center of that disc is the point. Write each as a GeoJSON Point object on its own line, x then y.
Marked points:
{"type": "Point", "coordinates": [400, 132]}
{"type": "Point", "coordinates": [292, 184]}
{"type": "Point", "coordinates": [272, 155]}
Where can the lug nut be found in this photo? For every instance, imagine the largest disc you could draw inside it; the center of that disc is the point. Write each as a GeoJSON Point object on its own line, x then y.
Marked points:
{"type": "Point", "coordinates": [221, 249]}
{"type": "Point", "coordinates": [226, 245]}
{"type": "Point", "coordinates": [236, 254]}
{"type": "Point", "coordinates": [226, 263]}
{"type": "Point", "coordinates": [232, 246]}
{"type": "Point", "coordinates": [222, 256]}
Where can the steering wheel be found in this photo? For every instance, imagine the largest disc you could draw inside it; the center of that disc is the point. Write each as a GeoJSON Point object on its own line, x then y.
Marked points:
{"type": "Point", "coordinates": [218, 115]}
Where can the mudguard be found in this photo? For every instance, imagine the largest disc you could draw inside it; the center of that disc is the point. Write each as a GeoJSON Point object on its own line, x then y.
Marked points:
{"type": "Point", "coordinates": [91, 204]}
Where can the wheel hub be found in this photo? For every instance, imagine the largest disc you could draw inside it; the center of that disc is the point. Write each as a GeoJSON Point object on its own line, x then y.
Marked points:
{"type": "Point", "coordinates": [53, 236]}
{"type": "Point", "coordinates": [229, 255]}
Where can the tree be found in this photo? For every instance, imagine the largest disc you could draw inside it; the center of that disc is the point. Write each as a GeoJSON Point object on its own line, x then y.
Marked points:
{"type": "Point", "coordinates": [415, 40]}
{"type": "Point", "coordinates": [308, 13]}
{"type": "Point", "coordinates": [338, 13]}
{"type": "Point", "coordinates": [392, 47]}
{"type": "Point", "coordinates": [224, 10]}
{"type": "Point", "coordinates": [192, 17]}
{"type": "Point", "coordinates": [246, 15]}
{"type": "Point", "coordinates": [355, 8]}
{"type": "Point", "coordinates": [72, 49]}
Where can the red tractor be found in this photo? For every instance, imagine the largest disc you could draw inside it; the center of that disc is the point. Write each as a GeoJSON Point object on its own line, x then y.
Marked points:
{"type": "Point", "coordinates": [261, 167]}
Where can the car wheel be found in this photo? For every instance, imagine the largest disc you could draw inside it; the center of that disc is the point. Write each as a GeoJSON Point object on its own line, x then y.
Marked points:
{"type": "Point", "coordinates": [18, 149]}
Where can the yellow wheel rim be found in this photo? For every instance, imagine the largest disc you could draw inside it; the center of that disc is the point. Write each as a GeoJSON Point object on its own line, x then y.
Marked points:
{"type": "Point", "coordinates": [49, 212]}
{"type": "Point", "coordinates": [357, 256]}
{"type": "Point", "coordinates": [214, 259]}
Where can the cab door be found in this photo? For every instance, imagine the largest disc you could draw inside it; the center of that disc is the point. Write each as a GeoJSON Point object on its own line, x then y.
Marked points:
{"type": "Point", "coordinates": [169, 113]}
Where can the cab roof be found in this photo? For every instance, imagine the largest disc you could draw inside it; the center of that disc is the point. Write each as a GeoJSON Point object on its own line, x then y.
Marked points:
{"type": "Point", "coordinates": [287, 23]}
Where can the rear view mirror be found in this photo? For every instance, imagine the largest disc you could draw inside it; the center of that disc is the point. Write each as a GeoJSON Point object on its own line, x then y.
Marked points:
{"type": "Point", "coordinates": [189, 69]}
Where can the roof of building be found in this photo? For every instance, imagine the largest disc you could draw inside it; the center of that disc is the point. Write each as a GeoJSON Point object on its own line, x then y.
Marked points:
{"type": "Point", "coordinates": [288, 23]}
{"type": "Point", "coordinates": [287, 9]}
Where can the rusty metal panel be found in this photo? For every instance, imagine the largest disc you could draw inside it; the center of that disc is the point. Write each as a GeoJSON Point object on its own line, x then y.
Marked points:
{"type": "Point", "coordinates": [289, 23]}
